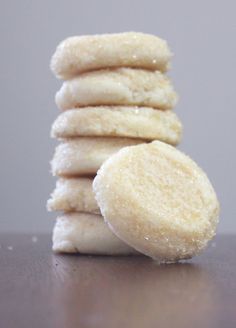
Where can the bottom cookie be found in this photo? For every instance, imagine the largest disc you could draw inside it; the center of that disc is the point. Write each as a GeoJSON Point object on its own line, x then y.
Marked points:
{"type": "Point", "coordinates": [86, 234]}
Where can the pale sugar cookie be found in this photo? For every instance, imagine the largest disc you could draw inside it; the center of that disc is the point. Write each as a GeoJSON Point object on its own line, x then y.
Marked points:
{"type": "Point", "coordinates": [84, 156]}
{"type": "Point", "coordinates": [73, 195]}
{"type": "Point", "coordinates": [119, 121]}
{"type": "Point", "coordinates": [120, 86]}
{"type": "Point", "coordinates": [86, 234]}
{"type": "Point", "coordinates": [91, 52]}
{"type": "Point", "coordinates": [158, 201]}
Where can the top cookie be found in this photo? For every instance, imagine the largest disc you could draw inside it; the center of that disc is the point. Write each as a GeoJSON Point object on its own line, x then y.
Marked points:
{"type": "Point", "coordinates": [131, 49]}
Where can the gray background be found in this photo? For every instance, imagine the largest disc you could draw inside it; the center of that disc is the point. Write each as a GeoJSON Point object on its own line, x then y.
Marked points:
{"type": "Point", "coordinates": [200, 33]}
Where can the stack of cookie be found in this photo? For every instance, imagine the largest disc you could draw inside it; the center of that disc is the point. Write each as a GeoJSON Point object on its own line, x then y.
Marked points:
{"type": "Point", "coordinates": [115, 95]}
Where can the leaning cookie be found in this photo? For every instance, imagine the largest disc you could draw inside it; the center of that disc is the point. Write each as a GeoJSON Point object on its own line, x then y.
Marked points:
{"type": "Point", "coordinates": [158, 201]}
{"type": "Point", "coordinates": [85, 53]}
{"type": "Point", "coordinates": [86, 234]}
{"type": "Point", "coordinates": [73, 195]}
{"type": "Point", "coordinates": [119, 121]}
{"type": "Point", "coordinates": [85, 155]}
{"type": "Point", "coordinates": [120, 86]}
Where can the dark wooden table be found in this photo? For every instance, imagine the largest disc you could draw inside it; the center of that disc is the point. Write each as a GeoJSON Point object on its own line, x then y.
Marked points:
{"type": "Point", "coordinates": [41, 289]}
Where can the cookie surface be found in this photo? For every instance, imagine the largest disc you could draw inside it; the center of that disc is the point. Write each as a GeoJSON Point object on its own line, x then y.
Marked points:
{"type": "Point", "coordinates": [119, 121]}
{"type": "Point", "coordinates": [120, 86]}
{"type": "Point", "coordinates": [84, 156]}
{"type": "Point", "coordinates": [73, 195]}
{"type": "Point", "coordinates": [85, 53]}
{"type": "Point", "coordinates": [158, 201]}
{"type": "Point", "coordinates": [86, 234]}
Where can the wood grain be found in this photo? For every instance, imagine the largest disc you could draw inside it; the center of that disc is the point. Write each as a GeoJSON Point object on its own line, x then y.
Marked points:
{"type": "Point", "coordinates": [41, 289]}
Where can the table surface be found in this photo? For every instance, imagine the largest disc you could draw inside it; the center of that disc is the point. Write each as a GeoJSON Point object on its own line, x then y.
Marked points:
{"type": "Point", "coordinates": [42, 289]}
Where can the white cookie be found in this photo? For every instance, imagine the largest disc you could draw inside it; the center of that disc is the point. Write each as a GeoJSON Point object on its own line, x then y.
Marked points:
{"type": "Point", "coordinates": [86, 234]}
{"type": "Point", "coordinates": [91, 52]}
{"type": "Point", "coordinates": [73, 195]}
{"type": "Point", "coordinates": [119, 121]}
{"type": "Point", "coordinates": [84, 156]}
{"type": "Point", "coordinates": [120, 86]}
{"type": "Point", "coordinates": [158, 201]}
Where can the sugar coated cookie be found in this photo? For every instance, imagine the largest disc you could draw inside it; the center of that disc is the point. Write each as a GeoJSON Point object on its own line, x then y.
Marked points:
{"type": "Point", "coordinates": [120, 86]}
{"type": "Point", "coordinates": [158, 201]}
{"type": "Point", "coordinates": [85, 53]}
{"type": "Point", "coordinates": [87, 234]}
{"type": "Point", "coordinates": [119, 121]}
{"type": "Point", "coordinates": [84, 156]}
{"type": "Point", "coordinates": [73, 195]}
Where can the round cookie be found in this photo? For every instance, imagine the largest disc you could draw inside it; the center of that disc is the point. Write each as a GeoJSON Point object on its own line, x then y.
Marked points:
{"type": "Point", "coordinates": [73, 195]}
{"type": "Point", "coordinates": [119, 86]}
{"type": "Point", "coordinates": [78, 54]}
{"type": "Point", "coordinates": [119, 121]}
{"type": "Point", "coordinates": [158, 201]}
{"type": "Point", "coordinates": [86, 234]}
{"type": "Point", "coordinates": [84, 156]}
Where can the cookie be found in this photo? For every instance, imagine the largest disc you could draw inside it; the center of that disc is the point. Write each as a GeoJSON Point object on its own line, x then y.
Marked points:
{"type": "Point", "coordinates": [119, 86]}
{"type": "Point", "coordinates": [73, 195]}
{"type": "Point", "coordinates": [158, 201]}
{"type": "Point", "coordinates": [86, 234]}
{"type": "Point", "coordinates": [78, 54]}
{"type": "Point", "coordinates": [84, 156]}
{"type": "Point", "coordinates": [119, 121]}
